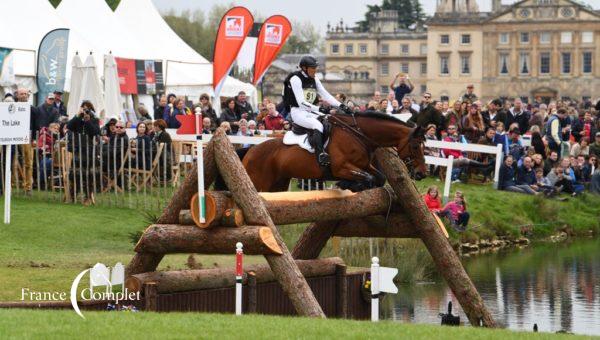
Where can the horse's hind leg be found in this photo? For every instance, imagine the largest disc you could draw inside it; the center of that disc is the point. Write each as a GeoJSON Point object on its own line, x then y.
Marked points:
{"type": "Point", "coordinates": [281, 185]}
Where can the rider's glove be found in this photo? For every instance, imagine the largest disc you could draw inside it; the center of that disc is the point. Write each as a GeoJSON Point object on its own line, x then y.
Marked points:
{"type": "Point", "coordinates": [324, 109]}
{"type": "Point", "coordinates": [345, 109]}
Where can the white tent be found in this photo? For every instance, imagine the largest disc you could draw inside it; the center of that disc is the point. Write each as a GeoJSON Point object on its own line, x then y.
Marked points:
{"type": "Point", "coordinates": [76, 79]}
{"type": "Point", "coordinates": [91, 88]}
{"type": "Point", "coordinates": [112, 92]}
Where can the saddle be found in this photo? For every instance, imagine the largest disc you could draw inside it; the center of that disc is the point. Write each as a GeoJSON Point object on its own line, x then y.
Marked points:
{"type": "Point", "coordinates": [302, 136]}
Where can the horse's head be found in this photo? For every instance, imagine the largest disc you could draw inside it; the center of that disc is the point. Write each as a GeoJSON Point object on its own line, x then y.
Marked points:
{"type": "Point", "coordinates": [413, 155]}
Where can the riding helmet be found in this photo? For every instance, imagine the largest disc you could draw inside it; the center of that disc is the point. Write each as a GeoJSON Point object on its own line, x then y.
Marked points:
{"type": "Point", "coordinates": [308, 61]}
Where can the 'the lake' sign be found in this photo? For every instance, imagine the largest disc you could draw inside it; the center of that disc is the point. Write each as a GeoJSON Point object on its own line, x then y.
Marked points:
{"type": "Point", "coordinates": [14, 123]}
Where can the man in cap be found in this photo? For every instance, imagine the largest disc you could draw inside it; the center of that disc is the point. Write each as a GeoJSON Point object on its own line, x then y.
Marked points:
{"type": "Point", "coordinates": [47, 112]}
{"type": "Point", "coordinates": [59, 105]}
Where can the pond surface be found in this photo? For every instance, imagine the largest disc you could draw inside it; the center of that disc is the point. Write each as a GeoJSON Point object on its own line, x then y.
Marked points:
{"type": "Point", "coordinates": [556, 286]}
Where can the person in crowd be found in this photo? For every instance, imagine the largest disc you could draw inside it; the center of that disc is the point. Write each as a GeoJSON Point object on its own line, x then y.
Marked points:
{"type": "Point", "coordinates": [160, 108]}
{"type": "Point", "coordinates": [403, 88]}
{"type": "Point", "coordinates": [395, 107]}
{"type": "Point", "coordinates": [243, 130]}
{"type": "Point", "coordinates": [252, 128]}
{"type": "Point", "coordinates": [556, 179]}
{"type": "Point", "coordinates": [518, 114]}
{"type": "Point", "coordinates": [385, 106]}
{"type": "Point", "coordinates": [526, 174]}
{"type": "Point", "coordinates": [550, 162]}
{"type": "Point", "coordinates": [538, 116]}
{"type": "Point", "coordinates": [470, 95]}
{"type": "Point", "coordinates": [264, 112]}
{"type": "Point", "coordinates": [456, 212]}
{"type": "Point", "coordinates": [373, 106]}
{"type": "Point", "coordinates": [428, 114]}
{"type": "Point", "coordinates": [340, 97]}
{"type": "Point", "coordinates": [273, 121]}
{"type": "Point", "coordinates": [115, 151]}
{"type": "Point", "coordinates": [543, 184]}
{"type": "Point", "coordinates": [583, 126]}
{"type": "Point", "coordinates": [460, 162]}
{"type": "Point", "coordinates": [47, 113]}
{"type": "Point", "coordinates": [594, 175]}
{"type": "Point", "coordinates": [230, 115]}
{"type": "Point", "coordinates": [474, 126]}
{"type": "Point", "coordinates": [207, 126]}
{"type": "Point", "coordinates": [143, 114]}
{"type": "Point", "coordinates": [537, 142]}
{"type": "Point", "coordinates": [507, 180]}
{"type": "Point", "coordinates": [494, 114]}
{"type": "Point", "coordinates": [227, 127]}
{"type": "Point", "coordinates": [486, 158]}
{"type": "Point", "coordinates": [45, 143]}
{"type": "Point", "coordinates": [161, 136]}
{"type": "Point", "coordinates": [84, 130]}
{"type": "Point", "coordinates": [582, 148]}
{"type": "Point", "coordinates": [26, 150]}
{"type": "Point", "coordinates": [376, 96]}
{"type": "Point", "coordinates": [407, 108]}
{"type": "Point", "coordinates": [595, 147]}
{"type": "Point", "coordinates": [538, 162]}
{"type": "Point", "coordinates": [555, 129]}
{"type": "Point", "coordinates": [143, 150]}
{"type": "Point", "coordinates": [58, 104]}
{"type": "Point", "coordinates": [515, 146]}
{"type": "Point", "coordinates": [108, 130]}
{"type": "Point", "coordinates": [243, 107]}
{"type": "Point", "coordinates": [207, 111]}
{"type": "Point", "coordinates": [432, 199]}
{"type": "Point", "coordinates": [453, 116]}
{"type": "Point", "coordinates": [178, 109]}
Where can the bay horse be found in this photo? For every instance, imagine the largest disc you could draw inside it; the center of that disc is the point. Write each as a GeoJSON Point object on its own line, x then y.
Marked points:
{"type": "Point", "coordinates": [352, 142]}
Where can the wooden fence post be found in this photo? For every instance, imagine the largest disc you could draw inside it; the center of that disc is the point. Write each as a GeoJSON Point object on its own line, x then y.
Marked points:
{"type": "Point", "coordinates": [151, 297]}
{"type": "Point", "coordinates": [341, 290]}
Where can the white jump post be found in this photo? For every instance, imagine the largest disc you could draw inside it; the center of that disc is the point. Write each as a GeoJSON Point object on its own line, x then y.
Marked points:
{"type": "Point", "coordinates": [375, 289]}
{"type": "Point", "coordinates": [499, 161]}
{"type": "Point", "coordinates": [448, 179]}
{"type": "Point", "coordinates": [239, 271]}
{"type": "Point", "coordinates": [7, 184]}
{"type": "Point", "coordinates": [200, 167]}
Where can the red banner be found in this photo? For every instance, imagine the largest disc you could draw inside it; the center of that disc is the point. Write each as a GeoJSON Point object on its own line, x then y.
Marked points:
{"type": "Point", "coordinates": [233, 29]}
{"type": "Point", "coordinates": [127, 76]}
{"type": "Point", "coordinates": [273, 35]}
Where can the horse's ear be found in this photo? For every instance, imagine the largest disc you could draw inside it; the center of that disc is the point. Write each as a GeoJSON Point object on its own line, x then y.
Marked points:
{"type": "Point", "coordinates": [418, 132]}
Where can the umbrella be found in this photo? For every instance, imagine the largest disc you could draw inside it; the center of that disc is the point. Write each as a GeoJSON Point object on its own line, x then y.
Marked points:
{"type": "Point", "coordinates": [91, 89]}
{"type": "Point", "coordinates": [112, 90]}
{"type": "Point", "coordinates": [75, 87]}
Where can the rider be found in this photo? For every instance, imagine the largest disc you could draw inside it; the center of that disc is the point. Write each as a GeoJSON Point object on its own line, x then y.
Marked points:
{"type": "Point", "coordinates": [300, 96]}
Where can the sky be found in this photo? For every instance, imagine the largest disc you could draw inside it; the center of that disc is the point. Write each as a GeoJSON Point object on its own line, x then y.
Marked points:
{"type": "Point", "coordinates": [313, 10]}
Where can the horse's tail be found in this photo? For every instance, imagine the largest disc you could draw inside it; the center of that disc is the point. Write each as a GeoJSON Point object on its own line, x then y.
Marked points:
{"type": "Point", "coordinates": [219, 182]}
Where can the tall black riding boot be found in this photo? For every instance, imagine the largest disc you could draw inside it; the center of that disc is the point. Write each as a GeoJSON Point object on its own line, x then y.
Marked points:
{"type": "Point", "coordinates": [322, 156]}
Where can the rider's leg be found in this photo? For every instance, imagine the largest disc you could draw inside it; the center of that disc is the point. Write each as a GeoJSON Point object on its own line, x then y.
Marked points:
{"type": "Point", "coordinates": [310, 121]}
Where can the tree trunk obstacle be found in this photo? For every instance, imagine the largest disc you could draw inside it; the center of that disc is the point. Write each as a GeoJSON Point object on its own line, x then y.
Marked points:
{"type": "Point", "coordinates": [243, 215]}
{"type": "Point", "coordinates": [189, 280]}
{"type": "Point", "coordinates": [446, 260]}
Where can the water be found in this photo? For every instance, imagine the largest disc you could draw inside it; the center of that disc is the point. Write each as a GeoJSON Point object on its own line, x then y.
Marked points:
{"type": "Point", "coordinates": [556, 286]}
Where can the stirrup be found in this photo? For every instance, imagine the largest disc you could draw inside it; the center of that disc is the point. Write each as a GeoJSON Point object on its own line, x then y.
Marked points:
{"type": "Point", "coordinates": [324, 159]}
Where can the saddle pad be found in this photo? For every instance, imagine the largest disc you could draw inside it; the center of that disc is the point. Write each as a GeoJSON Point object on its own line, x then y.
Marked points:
{"type": "Point", "coordinates": [291, 138]}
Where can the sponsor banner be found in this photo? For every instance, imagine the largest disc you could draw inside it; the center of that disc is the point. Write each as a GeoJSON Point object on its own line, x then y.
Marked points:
{"type": "Point", "coordinates": [233, 29]}
{"type": "Point", "coordinates": [273, 35]}
{"type": "Point", "coordinates": [140, 76]}
{"type": "Point", "coordinates": [52, 62]}
{"type": "Point", "coordinates": [3, 53]}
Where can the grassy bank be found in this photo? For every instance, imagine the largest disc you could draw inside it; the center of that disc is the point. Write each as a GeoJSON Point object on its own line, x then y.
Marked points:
{"type": "Point", "coordinates": [22, 324]}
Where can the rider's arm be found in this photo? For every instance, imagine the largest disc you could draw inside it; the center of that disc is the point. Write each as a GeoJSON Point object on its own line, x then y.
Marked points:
{"type": "Point", "coordinates": [326, 95]}
{"type": "Point", "coordinates": [296, 84]}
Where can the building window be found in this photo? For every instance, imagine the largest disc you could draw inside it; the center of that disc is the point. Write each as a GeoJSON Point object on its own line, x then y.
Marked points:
{"type": "Point", "coordinates": [524, 63]}
{"type": "Point", "coordinates": [423, 88]}
{"type": "Point", "coordinates": [362, 48]}
{"type": "Point", "coordinates": [384, 89]}
{"type": "Point", "coordinates": [444, 67]}
{"type": "Point", "coordinates": [465, 64]}
{"type": "Point", "coordinates": [444, 39]}
{"type": "Point", "coordinates": [385, 48]}
{"type": "Point", "coordinates": [404, 68]}
{"type": "Point", "coordinates": [587, 37]}
{"type": "Point", "coordinates": [545, 37]}
{"type": "Point", "coordinates": [404, 48]}
{"type": "Point", "coordinates": [423, 68]}
{"type": "Point", "coordinates": [465, 39]}
{"type": "Point", "coordinates": [335, 48]}
{"type": "Point", "coordinates": [566, 62]}
{"type": "Point", "coordinates": [385, 69]}
{"type": "Point", "coordinates": [349, 49]}
{"type": "Point", "coordinates": [503, 64]}
{"type": "Point", "coordinates": [524, 37]}
{"type": "Point", "coordinates": [503, 38]}
{"type": "Point", "coordinates": [566, 37]}
{"type": "Point", "coordinates": [423, 49]}
{"type": "Point", "coordinates": [545, 63]}
{"type": "Point", "coordinates": [587, 62]}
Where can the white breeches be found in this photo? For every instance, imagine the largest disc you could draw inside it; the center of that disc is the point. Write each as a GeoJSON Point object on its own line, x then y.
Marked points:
{"type": "Point", "coordinates": [306, 119]}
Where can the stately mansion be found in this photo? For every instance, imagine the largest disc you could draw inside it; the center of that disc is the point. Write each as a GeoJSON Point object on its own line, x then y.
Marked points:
{"type": "Point", "coordinates": [545, 48]}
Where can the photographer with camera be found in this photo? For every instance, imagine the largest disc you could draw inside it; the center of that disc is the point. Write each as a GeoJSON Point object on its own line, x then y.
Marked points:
{"type": "Point", "coordinates": [83, 128]}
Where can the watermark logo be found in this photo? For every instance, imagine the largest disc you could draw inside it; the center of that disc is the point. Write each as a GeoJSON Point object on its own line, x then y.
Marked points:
{"type": "Point", "coordinates": [234, 26]}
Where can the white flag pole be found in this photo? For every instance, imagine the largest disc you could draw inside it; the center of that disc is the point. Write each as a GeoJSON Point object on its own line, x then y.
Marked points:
{"type": "Point", "coordinates": [200, 166]}
{"type": "Point", "coordinates": [375, 289]}
{"type": "Point", "coordinates": [7, 184]}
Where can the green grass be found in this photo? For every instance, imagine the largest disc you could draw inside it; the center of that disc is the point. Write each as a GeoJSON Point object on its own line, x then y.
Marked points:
{"type": "Point", "coordinates": [22, 324]}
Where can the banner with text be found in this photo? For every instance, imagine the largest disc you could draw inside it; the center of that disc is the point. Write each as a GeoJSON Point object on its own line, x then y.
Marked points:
{"type": "Point", "coordinates": [14, 123]}
{"type": "Point", "coordinates": [52, 63]}
{"type": "Point", "coordinates": [233, 29]}
{"type": "Point", "coordinates": [273, 35]}
{"type": "Point", "coordinates": [140, 76]}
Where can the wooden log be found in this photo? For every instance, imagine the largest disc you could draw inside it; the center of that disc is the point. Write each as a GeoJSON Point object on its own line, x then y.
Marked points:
{"type": "Point", "coordinates": [397, 226]}
{"type": "Point", "coordinates": [185, 218]}
{"type": "Point", "coordinates": [341, 289]}
{"type": "Point", "coordinates": [446, 260]}
{"type": "Point", "coordinates": [216, 206]}
{"type": "Point", "coordinates": [141, 263]}
{"type": "Point", "coordinates": [313, 240]}
{"type": "Point", "coordinates": [246, 197]}
{"type": "Point", "coordinates": [233, 217]}
{"type": "Point", "coordinates": [198, 279]}
{"type": "Point", "coordinates": [173, 238]}
{"type": "Point", "coordinates": [150, 296]}
{"type": "Point", "coordinates": [311, 206]}
{"type": "Point", "coordinates": [252, 297]}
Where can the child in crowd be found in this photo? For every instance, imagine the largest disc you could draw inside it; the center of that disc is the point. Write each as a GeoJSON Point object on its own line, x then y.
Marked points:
{"type": "Point", "coordinates": [456, 211]}
{"type": "Point", "coordinates": [544, 185]}
{"type": "Point", "coordinates": [432, 199]}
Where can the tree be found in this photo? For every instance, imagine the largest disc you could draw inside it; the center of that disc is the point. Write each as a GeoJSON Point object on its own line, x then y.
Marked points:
{"type": "Point", "coordinates": [305, 38]}
{"type": "Point", "coordinates": [410, 13]}
{"type": "Point", "coordinates": [372, 10]}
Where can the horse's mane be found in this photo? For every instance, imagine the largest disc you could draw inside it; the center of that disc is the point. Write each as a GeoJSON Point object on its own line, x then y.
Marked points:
{"type": "Point", "coordinates": [378, 116]}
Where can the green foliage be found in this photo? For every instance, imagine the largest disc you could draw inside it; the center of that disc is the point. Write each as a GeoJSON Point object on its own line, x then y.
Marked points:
{"type": "Point", "coordinates": [410, 13]}
{"type": "Point", "coordinates": [305, 38]}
